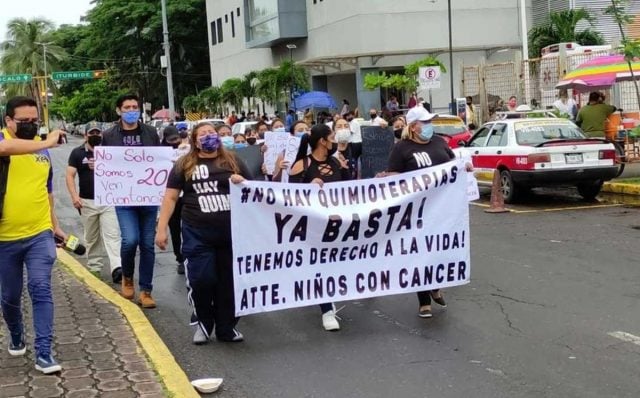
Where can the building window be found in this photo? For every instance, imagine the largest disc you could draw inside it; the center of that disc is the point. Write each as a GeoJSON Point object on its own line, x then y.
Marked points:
{"type": "Point", "coordinates": [219, 22]}
{"type": "Point", "coordinates": [238, 12]}
{"type": "Point", "coordinates": [226, 18]}
{"type": "Point", "coordinates": [263, 18]}
{"type": "Point", "coordinates": [233, 25]}
{"type": "Point", "coordinates": [213, 33]}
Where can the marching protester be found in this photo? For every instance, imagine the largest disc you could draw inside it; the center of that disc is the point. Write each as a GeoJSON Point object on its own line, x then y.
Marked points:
{"type": "Point", "coordinates": [183, 129]}
{"type": "Point", "coordinates": [101, 229]}
{"type": "Point", "coordinates": [27, 229]}
{"type": "Point", "coordinates": [298, 129]}
{"type": "Point", "coordinates": [224, 131]}
{"type": "Point", "coordinates": [356, 136]}
{"type": "Point", "coordinates": [418, 149]}
{"type": "Point", "coordinates": [277, 125]}
{"type": "Point", "coordinates": [239, 141]}
{"type": "Point", "coordinates": [172, 138]}
{"type": "Point", "coordinates": [344, 153]}
{"type": "Point", "coordinates": [318, 168]}
{"type": "Point", "coordinates": [472, 114]}
{"type": "Point", "coordinates": [137, 223]}
{"type": "Point", "coordinates": [203, 177]}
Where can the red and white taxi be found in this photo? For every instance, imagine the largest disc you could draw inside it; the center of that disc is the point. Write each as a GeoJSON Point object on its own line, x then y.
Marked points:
{"type": "Point", "coordinates": [534, 152]}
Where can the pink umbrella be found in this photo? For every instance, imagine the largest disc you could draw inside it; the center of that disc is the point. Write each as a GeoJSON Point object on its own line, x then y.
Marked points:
{"type": "Point", "coordinates": [600, 73]}
{"type": "Point", "coordinates": [164, 114]}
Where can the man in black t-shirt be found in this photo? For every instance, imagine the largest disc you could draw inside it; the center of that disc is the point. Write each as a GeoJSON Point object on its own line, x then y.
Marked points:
{"type": "Point", "coordinates": [101, 230]}
{"type": "Point", "coordinates": [137, 223]}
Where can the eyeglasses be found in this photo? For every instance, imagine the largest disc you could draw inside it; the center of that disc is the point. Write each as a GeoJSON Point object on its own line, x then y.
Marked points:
{"type": "Point", "coordinates": [36, 121]}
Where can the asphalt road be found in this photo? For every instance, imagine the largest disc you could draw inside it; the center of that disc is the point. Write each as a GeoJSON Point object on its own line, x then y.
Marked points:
{"type": "Point", "coordinates": [550, 293]}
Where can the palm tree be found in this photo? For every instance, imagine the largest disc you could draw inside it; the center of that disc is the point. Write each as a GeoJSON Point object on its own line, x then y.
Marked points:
{"type": "Point", "coordinates": [249, 87]}
{"type": "Point", "coordinates": [21, 53]}
{"type": "Point", "coordinates": [561, 28]}
{"type": "Point", "coordinates": [211, 99]}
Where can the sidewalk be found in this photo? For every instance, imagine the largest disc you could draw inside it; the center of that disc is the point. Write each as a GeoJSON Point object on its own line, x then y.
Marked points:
{"type": "Point", "coordinates": [94, 343]}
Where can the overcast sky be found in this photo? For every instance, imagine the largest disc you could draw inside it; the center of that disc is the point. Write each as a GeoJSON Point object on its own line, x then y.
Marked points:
{"type": "Point", "coordinates": [57, 11]}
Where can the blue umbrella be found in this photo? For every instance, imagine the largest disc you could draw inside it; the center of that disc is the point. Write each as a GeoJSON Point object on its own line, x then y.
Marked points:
{"type": "Point", "coordinates": [314, 99]}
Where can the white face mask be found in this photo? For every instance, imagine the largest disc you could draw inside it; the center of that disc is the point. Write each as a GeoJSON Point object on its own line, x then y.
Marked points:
{"type": "Point", "coordinates": [343, 135]}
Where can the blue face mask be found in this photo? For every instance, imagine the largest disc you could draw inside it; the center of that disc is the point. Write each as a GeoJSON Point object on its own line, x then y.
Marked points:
{"type": "Point", "coordinates": [240, 145]}
{"type": "Point", "coordinates": [227, 142]}
{"type": "Point", "coordinates": [210, 142]}
{"type": "Point", "coordinates": [279, 130]}
{"type": "Point", "coordinates": [131, 117]}
{"type": "Point", "coordinates": [300, 134]}
{"type": "Point", "coordinates": [427, 132]}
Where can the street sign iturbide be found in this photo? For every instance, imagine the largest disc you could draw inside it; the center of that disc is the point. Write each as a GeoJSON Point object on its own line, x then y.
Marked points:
{"type": "Point", "coordinates": [74, 75]}
{"type": "Point", "coordinates": [24, 78]}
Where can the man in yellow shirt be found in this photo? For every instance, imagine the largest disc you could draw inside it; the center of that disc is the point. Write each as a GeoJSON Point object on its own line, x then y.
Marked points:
{"type": "Point", "coordinates": [27, 227]}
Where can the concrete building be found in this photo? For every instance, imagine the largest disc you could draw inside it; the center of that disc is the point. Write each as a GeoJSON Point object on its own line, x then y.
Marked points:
{"type": "Point", "coordinates": [340, 41]}
{"type": "Point", "coordinates": [605, 24]}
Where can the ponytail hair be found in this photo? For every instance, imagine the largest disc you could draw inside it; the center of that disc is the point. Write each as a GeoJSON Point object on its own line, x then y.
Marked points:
{"type": "Point", "coordinates": [304, 147]}
{"type": "Point", "coordinates": [318, 132]}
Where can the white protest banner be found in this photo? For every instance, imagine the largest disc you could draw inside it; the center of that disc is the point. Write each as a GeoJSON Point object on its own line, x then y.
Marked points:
{"type": "Point", "coordinates": [296, 245]}
{"type": "Point", "coordinates": [131, 176]}
{"type": "Point", "coordinates": [276, 142]}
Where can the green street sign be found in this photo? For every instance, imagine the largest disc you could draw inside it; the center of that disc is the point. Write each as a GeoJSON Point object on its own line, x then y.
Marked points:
{"type": "Point", "coordinates": [74, 75]}
{"type": "Point", "coordinates": [16, 78]}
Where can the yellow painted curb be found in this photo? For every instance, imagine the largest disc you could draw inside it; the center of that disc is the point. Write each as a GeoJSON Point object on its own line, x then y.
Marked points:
{"type": "Point", "coordinates": [616, 187]}
{"type": "Point", "coordinates": [173, 377]}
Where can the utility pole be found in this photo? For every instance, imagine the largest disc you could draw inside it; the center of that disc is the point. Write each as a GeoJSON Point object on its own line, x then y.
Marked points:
{"type": "Point", "coordinates": [292, 47]}
{"type": "Point", "coordinates": [451, 104]}
{"type": "Point", "coordinates": [45, 107]}
{"type": "Point", "coordinates": [167, 55]}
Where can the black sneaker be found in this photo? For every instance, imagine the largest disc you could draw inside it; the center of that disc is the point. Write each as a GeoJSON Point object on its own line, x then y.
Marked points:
{"type": "Point", "coordinates": [17, 347]}
{"type": "Point", "coordinates": [180, 269]}
{"type": "Point", "coordinates": [116, 275]}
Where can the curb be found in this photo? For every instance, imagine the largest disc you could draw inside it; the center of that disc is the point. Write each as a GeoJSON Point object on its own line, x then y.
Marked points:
{"type": "Point", "coordinates": [171, 374]}
{"type": "Point", "coordinates": [616, 187]}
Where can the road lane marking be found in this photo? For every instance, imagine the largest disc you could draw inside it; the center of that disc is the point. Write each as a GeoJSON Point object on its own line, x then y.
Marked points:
{"type": "Point", "coordinates": [624, 336]}
{"type": "Point", "coordinates": [172, 375]}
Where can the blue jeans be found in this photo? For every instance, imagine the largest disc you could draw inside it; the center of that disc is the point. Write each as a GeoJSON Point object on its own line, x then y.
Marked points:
{"type": "Point", "coordinates": [38, 253]}
{"type": "Point", "coordinates": [138, 229]}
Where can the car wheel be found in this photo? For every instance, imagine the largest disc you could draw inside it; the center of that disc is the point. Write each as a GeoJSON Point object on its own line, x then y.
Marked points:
{"type": "Point", "coordinates": [589, 190]}
{"type": "Point", "coordinates": [507, 186]}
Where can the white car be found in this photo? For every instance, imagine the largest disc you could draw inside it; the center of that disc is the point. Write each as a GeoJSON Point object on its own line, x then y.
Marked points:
{"type": "Point", "coordinates": [215, 122]}
{"type": "Point", "coordinates": [240, 127]}
{"type": "Point", "coordinates": [534, 152]}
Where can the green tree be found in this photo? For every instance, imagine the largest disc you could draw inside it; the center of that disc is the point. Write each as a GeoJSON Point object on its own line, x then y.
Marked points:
{"type": "Point", "coordinates": [407, 81]}
{"type": "Point", "coordinates": [561, 28]}
{"type": "Point", "coordinates": [249, 87]}
{"type": "Point", "coordinates": [21, 53]}
{"type": "Point", "coordinates": [93, 101]}
{"type": "Point", "coordinates": [629, 47]}
{"type": "Point", "coordinates": [231, 91]}
{"type": "Point", "coordinates": [212, 99]}
{"type": "Point", "coordinates": [274, 83]}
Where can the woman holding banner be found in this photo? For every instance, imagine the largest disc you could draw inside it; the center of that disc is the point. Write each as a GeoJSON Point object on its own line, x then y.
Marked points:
{"type": "Point", "coordinates": [320, 167]}
{"type": "Point", "coordinates": [420, 148]}
{"type": "Point", "coordinates": [203, 177]}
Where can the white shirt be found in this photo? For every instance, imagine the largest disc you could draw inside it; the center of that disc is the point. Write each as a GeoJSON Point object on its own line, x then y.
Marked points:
{"type": "Point", "coordinates": [377, 121]}
{"type": "Point", "coordinates": [567, 108]}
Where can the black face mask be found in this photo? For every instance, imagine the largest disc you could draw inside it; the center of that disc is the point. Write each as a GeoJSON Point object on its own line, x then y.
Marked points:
{"type": "Point", "coordinates": [251, 140]}
{"type": "Point", "coordinates": [173, 145]}
{"type": "Point", "coordinates": [94, 140]}
{"type": "Point", "coordinates": [261, 135]}
{"type": "Point", "coordinates": [397, 133]}
{"type": "Point", "coordinates": [184, 134]}
{"type": "Point", "coordinates": [333, 149]}
{"type": "Point", "coordinates": [373, 115]}
{"type": "Point", "coordinates": [27, 131]}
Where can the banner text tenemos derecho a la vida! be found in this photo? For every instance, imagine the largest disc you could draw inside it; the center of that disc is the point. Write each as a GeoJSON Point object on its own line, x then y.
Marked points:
{"type": "Point", "coordinates": [298, 244]}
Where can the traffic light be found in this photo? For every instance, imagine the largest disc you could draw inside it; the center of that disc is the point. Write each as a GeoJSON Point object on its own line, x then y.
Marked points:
{"type": "Point", "coordinates": [98, 74]}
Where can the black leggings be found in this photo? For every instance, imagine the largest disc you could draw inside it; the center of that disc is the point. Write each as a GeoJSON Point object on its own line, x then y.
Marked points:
{"type": "Point", "coordinates": [176, 232]}
{"type": "Point", "coordinates": [424, 297]}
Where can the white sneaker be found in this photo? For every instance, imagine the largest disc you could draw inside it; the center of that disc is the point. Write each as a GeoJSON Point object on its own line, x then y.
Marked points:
{"type": "Point", "coordinates": [330, 321]}
{"type": "Point", "coordinates": [200, 337]}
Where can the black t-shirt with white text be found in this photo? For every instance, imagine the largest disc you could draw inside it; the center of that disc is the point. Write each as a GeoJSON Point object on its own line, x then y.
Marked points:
{"type": "Point", "coordinates": [408, 155]}
{"type": "Point", "coordinates": [132, 137]}
{"type": "Point", "coordinates": [79, 159]}
{"type": "Point", "coordinates": [205, 200]}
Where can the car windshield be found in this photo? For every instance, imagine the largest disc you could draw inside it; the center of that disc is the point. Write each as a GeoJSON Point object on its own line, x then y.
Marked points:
{"type": "Point", "coordinates": [535, 133]}
{"type": "Point", "coordinates": [449, 127]}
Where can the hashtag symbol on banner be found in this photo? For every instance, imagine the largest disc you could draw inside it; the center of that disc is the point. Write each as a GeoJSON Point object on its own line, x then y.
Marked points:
{"type": "Point", "coordinates": [245, 194]}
